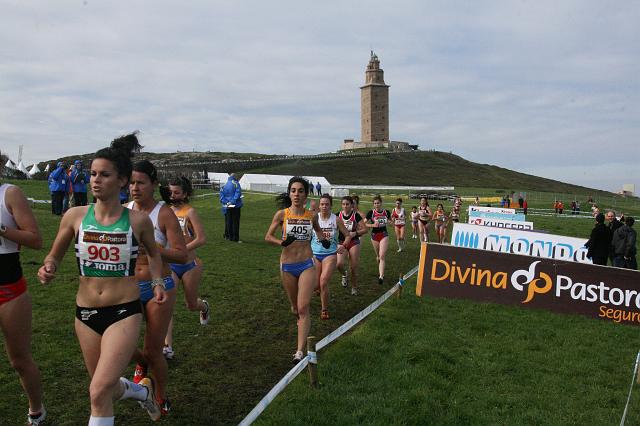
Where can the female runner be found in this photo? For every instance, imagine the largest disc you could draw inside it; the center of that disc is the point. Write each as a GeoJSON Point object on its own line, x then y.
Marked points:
{"type": "Point", "coordinates": [441, 221]}
{"type": "Point", "coordinates": [168, 238]}
{"type": "Point", "coordinates": [298, 273]}
{"type": "Point", "coordinates": [18, 227]}
{"type": "Point", "coordinates": [190, 273]}
{"type": "Point", "coordinates": [377, 220]}
{"type": "Point", "coordinates": [424, 216]}
{"type": "Point", "coordinates": [414, 222]}
{"type": "Point", "coordinates": [325, 258]}
{"type": "Point", "coordinates": [398, 218]}
{"type": "Point", "coordinates": [355, 226]}
{"type": "Point", "coordinates": [109, 312]}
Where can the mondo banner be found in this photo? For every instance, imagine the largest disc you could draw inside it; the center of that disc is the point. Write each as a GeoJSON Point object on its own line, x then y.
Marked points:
{"type": "Point", "coordinates": [520, 242]}
{"type": "Point", "coordinates": [611, 294]}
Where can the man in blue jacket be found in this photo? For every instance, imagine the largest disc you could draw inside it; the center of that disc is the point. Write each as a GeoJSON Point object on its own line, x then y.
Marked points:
{"type": "Point", "coordinates": [79, 180]}
{"type": "Point", "coordinates": [58, 181]}
{"type": "Point", "coordinates": [231, 199]}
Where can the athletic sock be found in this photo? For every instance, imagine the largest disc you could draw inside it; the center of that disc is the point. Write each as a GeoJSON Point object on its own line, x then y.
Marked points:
{"type": "Point", "coordinates": [101, 421]}
{"type": "Point", "coordinates": [133, 390]}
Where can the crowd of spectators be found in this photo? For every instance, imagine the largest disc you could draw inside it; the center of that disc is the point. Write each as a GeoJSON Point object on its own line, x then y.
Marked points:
{"type": "Point", "coordinates": [614, 242]}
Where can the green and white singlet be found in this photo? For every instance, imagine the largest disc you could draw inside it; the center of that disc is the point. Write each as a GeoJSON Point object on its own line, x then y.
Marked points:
{"type": "Point", "coordinates": [106, 251]}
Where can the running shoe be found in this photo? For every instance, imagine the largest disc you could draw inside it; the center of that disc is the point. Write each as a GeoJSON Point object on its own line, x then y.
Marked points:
{"type": "Point", "coordinates": [204, 315]}
{"type": "Point", "coordinates": [380, 280]}
{"type": "Point", "coordinates": [297, 357]}
{"type": "Point", "coordinates": [165, 406]}
{"type": "Point", "coordinates": [354, 291]}
{"type": "Point", "coordinates": [345, 281]}
{"type": "Point", "coordinates": [168, 353]}
{"type": "Point", "coordinates": [399, 250]}
{"type": "Point", "coordinates": [37, 418]}
{"type": "Point", "coordinates": [150, 404]}
{"type": "Point", "coordinates": [324, 315]}
{"type": "Point", "coordinates": [139, 373]}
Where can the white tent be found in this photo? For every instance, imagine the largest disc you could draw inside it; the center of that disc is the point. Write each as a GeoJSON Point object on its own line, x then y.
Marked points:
{"type": "Point", "coordinates": [220, 178]}
{"type": "Point", "coordinates": [46, 169]}
{"type": "Point", "coordinates": [10, 164]}
{"type": "Point", "coordinates": [276, 183]}
{"type": "Point", "coordinates": [34, 169]}
{"type": "Point", "coordinates": [22, 168]}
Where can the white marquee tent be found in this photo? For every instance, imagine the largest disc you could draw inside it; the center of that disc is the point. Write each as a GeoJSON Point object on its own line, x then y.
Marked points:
{"type": "Point", "coordinates": [10, 164]}
{"type": "Point", "coordinates": [276, 183]}
{"type": "Point", "coordinates": [34, 169]}
{"type": "Point", "coordinates": [220, 178]}
{"type": "Point", "coordinates": [22, 168]}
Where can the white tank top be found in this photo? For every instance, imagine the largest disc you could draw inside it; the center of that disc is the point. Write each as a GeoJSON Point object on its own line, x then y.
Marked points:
{"type": "Point", "coordinates": [158, 235]}
{"type": "Point", "coordinates": [6, 219]}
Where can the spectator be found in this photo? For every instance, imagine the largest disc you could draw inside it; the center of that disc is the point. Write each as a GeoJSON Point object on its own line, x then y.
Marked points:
{"type": "Point", "coordinates": [555, 206]}
{"type": "Point", "coordinates": [573, 207]}
{"type": "Point", "coordinates": [521, 201]}
{"type": "Point", "coordinates": [525, 206]}
{"type": "Point", "coordinates": [318, 188]}
{"type": "Point", "coordinates": [599, 242]}
{"type": "Point", "coordinates": [231, 199]}
{"type": "Point", "coordinates": [57, 185]}
{"type": "Point", "coordinates": [624, 246]}
{"type": "Point", "coordinates": [560, 207]}
{"type": "Point", "coordinates": [577, 207]}
{"type": "Point", "coordinates": [79, 184]}
{"type": "Point", "coordinates": [613, 225]}
{"type": "Point", "coordinates": [67, 202]}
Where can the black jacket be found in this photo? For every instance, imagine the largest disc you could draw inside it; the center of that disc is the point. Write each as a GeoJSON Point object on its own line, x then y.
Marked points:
{"type": "Point", "coordinates": [599, 241]}
{"type": "Point", "coordinates": [624, 241]}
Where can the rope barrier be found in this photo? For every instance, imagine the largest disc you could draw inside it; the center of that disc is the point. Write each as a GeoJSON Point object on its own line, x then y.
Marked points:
{"type": "Point", "coordinates": [626, 407]}
{"type": "Point", "coordinates": [312, 357]}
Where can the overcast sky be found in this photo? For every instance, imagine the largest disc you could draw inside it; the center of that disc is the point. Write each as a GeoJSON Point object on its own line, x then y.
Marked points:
{"type": "Point", "coordinates": [548, 88]}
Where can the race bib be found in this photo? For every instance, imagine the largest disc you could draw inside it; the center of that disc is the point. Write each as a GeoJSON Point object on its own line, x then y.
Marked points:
{"type": "Point", "coordinates": [300, 229]}
{"type": "Point", "coordinates": [104, 253]}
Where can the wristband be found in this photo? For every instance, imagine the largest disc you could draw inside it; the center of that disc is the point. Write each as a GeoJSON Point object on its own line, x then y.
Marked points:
{"type": "Point", "coordinates": [157, 282]}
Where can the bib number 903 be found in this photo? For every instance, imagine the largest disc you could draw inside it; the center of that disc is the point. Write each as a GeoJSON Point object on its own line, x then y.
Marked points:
{"type": "Point", "coordinates": [104, 253]}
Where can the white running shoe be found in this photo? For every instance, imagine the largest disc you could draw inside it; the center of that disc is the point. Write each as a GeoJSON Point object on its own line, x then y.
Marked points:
{"type": "Point", "coordinates": [345, 281]}
{"type": "Point", "coordinates": [297, 357]}
{"type": "Point", "coordinates": [399, 250]}
{"type": "Point", "coordinates": [354, 291]}
{"type": "Point", "coordinates": [204, 315]}
{"type": "Point", "coordinates": [168, 353]}
{"type": "Point", "coordinates": [150, 404]}
{"type": "Point", "coordinates": [37, 418]}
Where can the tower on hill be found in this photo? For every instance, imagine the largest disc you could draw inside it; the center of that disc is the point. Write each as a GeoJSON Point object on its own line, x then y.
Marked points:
{"type": "Point", "coordinates": [374, 112]}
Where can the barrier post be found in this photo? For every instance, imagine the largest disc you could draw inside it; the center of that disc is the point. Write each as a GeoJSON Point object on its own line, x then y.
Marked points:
{"type": "Point", "coordinates": [313, 361]}
{"type": "Point", "coordinates": [638, 377]}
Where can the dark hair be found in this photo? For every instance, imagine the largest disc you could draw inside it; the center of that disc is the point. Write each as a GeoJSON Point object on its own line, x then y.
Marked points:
{"type": "Point", "coordinates": [184, 183]}
{"type": "Point", "coordinates": [355, 199]}
{"type": "Point", "coordinates": [399, 199]}
{"type": "Point", "coordinates": [328, 197]}
{"type": "Point", "coordinates": [120, 153]}
{"type": "Point", "coordinates": [347, 198]}
{"type": "Point", "coordinates": [629, 221]}
{"type": "Point", "coordinates": [284, 200]}
{"type": "Point", "coordinates": [600, 218]}
{"type": "Point", "coordinates": [147, 167]}
{"type": "Point", "coordinates": [378, 197]}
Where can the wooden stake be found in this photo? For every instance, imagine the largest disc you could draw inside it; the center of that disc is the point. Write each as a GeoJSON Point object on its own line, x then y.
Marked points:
{"type": "Point", "coordinates": [313, 361]}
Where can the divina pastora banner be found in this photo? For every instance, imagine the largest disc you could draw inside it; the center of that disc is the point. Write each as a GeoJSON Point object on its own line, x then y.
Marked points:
{"type": "Point", "coordinates": [611, 294]}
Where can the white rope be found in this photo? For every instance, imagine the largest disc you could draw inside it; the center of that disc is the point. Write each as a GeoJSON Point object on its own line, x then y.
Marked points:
{"type": "Point", "coordinates": [312, 357]}
{"type": "Point", "coordinates": [626, 407]}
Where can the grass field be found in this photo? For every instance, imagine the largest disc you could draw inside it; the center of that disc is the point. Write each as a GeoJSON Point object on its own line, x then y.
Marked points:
{"type": "Point", "coordinates": [415, 361]}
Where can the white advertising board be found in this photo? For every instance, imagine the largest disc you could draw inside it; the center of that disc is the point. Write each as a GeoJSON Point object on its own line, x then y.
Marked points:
{"type": "Point", "coordinates": [500, 223]}
{"type": "Point", "coordinates": [491, 210]}
{"type": "Point", "coordinates": [520, 242]}
{"type": "Point", "coordinates": [499, 216]}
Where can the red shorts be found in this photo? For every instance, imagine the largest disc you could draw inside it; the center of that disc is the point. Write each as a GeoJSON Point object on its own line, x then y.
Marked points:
{"type": "Point", "coordinates": [379, 236]}
{"type": "Point", "coordinates": [8, 292]}
{"type": "Point", "coordinates": [352, 243]}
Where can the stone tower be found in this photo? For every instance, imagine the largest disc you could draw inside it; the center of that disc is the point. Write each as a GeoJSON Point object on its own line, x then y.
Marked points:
{"type": "Point", "coordinates": [374, 99]}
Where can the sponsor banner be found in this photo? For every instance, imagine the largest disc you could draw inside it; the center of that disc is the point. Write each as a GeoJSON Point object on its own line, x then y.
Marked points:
{"type": "Point", "coordinates": [498, 216]}
{"type": "Point", "coordinates": [491, 210]}
{"type": "Point", "coordinates": [610, 294]}
{"type": "Point", "coordinates": [529, 243]}
{"type": "Point", "coordinates": [498, 223]}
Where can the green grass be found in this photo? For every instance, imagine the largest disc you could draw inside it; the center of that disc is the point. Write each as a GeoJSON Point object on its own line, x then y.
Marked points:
{"type": "Point", "coordinates": [414, 361]}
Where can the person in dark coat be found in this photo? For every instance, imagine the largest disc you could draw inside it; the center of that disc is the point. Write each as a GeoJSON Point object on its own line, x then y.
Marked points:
{"type": "Point", "coordinates": [613, 225]}
{"type": "Point", "coordinates": [79, 181]}
{"type": "Point", "coordinates": [624, 245]}
{"type": "Point", "coordinates": [599, 242]}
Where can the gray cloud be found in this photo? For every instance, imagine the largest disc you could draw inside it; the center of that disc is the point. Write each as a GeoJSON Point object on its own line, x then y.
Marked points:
{"type": "Point", "coordinates": [544, 87]}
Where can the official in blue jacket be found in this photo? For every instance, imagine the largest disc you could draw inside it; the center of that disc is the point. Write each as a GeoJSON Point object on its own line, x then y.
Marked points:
{"type": "Point", "coordinates": [79, 181]}
{"type": "Point", "coordinates": [231, 199]}
{"type": "Point", "coordinates": [58, 184]}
